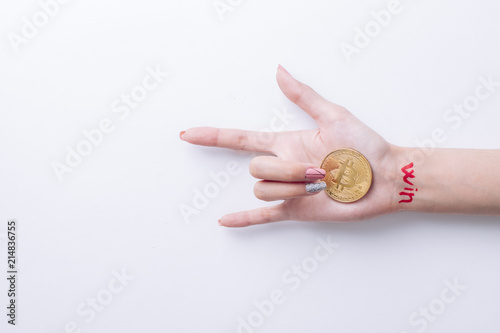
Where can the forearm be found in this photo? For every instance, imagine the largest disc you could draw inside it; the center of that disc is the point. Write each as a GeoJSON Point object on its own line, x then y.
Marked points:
{"type": "Point", "coordinates": [463, 181]}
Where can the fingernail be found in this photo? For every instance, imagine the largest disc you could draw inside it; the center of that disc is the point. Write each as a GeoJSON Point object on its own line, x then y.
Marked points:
{"type": "Point", "coordinates": [181, 134]}
{"type": "Point", "coordinates": [315, 173]}
{"type": "Point", "coordinates": [283, 69]}
{"type": "Point", "coordinates": [219, 222]}
{"type": "Point", "coordinates": [315, 187]}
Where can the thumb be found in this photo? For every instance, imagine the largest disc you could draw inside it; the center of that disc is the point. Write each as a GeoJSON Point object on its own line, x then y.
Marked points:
{"type": "Point", "coordinates": [321, 110]}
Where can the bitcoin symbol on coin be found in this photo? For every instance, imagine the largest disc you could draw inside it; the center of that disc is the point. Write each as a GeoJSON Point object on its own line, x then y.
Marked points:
{"type": "Point", "coordinates": [349, 175]}
{"type": "Point", "coordinates": [346, 175]}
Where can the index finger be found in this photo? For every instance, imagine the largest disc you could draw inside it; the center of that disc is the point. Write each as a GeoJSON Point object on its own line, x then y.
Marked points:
{"type": "Point", "coordinates": [230, 138]}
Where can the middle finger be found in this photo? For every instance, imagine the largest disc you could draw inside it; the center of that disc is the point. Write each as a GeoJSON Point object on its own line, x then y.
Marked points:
{"type": "Point", "coordinates": [273, 168]}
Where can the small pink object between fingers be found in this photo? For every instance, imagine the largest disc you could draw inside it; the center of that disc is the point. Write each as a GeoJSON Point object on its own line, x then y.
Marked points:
{"type": "Point", "coordinates": [315, 173]}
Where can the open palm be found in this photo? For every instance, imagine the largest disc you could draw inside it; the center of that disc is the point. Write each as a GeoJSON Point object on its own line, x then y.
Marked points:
{"type": "Point", "coordinates": [283, 174]}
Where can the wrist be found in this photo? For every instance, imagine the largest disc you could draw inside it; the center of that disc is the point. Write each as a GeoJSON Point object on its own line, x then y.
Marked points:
{"type": "Point", "coordinates": [399, 159]}
{"type": "Point", "coordinates": [388, 180]}
{"type": "Point", "coordinates": [411, 193]}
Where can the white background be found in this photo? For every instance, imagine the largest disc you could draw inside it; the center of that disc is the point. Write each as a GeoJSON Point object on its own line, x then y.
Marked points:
{"type": "Point", "coordinates": [120, 208]}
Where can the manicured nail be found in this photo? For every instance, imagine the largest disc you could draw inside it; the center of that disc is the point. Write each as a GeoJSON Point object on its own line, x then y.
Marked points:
{"type": "Point", "coordinates": [181, 134]}
{"type": "Point", "coordinates": [315, 173]}
{"type": "Point", "coordinates": [315, 187]}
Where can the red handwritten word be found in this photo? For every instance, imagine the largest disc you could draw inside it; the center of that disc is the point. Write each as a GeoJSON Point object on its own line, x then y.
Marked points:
{"type": "Point", "coordinates": [409, 191]}
{"type": "Point", "coordinates": [408, 173]}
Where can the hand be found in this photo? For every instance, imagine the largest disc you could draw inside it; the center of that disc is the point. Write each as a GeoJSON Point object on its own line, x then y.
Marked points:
{"type": "Point", "coordinates": [283, 175]}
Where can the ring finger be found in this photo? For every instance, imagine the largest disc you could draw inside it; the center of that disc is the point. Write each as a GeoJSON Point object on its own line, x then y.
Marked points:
{"type": "Point", "coordinates": [273, 168]}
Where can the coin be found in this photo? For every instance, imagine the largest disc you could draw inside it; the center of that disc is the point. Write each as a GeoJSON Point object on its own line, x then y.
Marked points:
{"type": "Point", "coordinates": [348, 175]}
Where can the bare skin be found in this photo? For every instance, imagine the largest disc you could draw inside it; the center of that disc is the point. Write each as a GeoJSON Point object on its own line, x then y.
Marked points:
{"type": "Point", "coordinates": [338, 128]}
{"type": "Point", "coordinates": [457, 181]}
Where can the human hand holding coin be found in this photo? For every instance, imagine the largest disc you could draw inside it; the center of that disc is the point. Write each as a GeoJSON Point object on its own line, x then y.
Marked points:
{"type": "Point", "coordinates": [299, 154]}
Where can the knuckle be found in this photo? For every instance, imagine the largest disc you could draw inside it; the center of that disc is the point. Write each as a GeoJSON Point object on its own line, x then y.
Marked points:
{"type": "Point", "coordinates": [286, 210]}
{"type": "Point", "coordinates": [259, 192]}
{"type": "Point", "coordinates": [300, 95]}
{"type": "Point", "coordinates": [242, 141]}
{"type": "Point", "coordinates": [257, 167]}
{"type": "Point", "coordinates": [215, 137]}
{"type": "Point", "coordinates": [290, 172]}
{"type": "Point", "coordinates": [339, 112]}
{"type": "Point", "coordinates": [266, 214]}
{"type": "Point", "coordinates": [254, 167]}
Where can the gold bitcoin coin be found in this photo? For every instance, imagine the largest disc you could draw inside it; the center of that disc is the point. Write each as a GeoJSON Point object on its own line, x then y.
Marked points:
{"type": "Point", "coordinates": [348, 175]}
